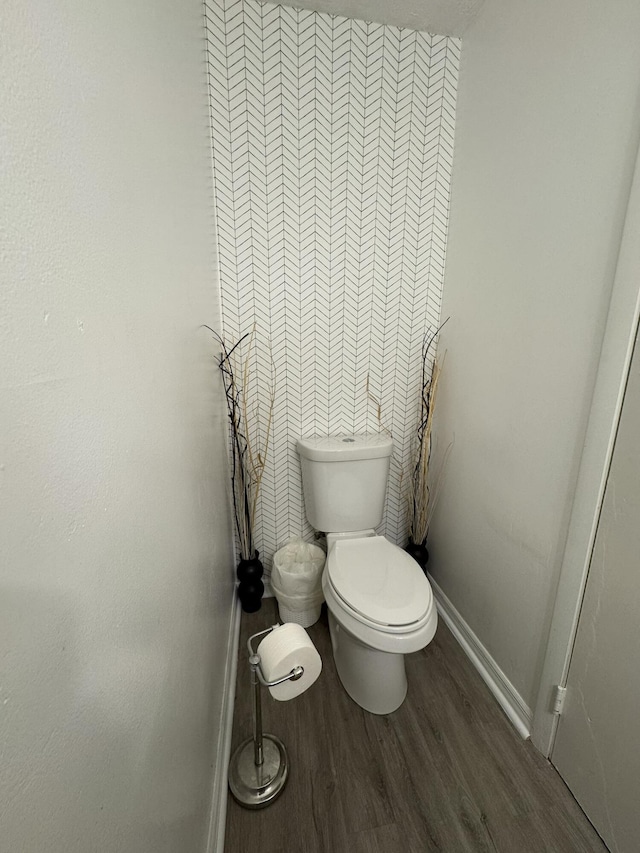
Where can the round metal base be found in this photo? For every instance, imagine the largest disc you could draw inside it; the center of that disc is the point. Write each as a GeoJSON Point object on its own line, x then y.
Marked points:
{"type": "Point", "coordinates": [257, 786]}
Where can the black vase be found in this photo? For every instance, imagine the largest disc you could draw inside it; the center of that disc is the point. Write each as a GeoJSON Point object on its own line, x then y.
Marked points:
{"type": "Point", "coordinates": [250, 588]}
{"type": "Point", "coordinates": [418, 550]}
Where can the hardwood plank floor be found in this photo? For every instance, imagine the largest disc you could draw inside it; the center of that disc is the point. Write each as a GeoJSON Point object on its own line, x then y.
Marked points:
{"type": "Point", "coordinates": [446, 772]}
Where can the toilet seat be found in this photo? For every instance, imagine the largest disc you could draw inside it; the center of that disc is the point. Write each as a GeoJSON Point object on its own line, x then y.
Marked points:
{"type": "Point", "coordinates": [379, 585]}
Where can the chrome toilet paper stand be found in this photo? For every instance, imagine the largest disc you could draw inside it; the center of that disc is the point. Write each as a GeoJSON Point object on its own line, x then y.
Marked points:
{"type": "Point", "coordinates": [259, 767]}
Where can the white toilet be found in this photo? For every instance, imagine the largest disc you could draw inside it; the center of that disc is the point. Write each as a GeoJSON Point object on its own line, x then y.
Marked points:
{"type": "Point", "coordinates": [380, 603]}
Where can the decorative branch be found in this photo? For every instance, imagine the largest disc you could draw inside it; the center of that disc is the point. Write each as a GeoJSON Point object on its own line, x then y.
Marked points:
{"type": "Point", "coordinates": [378, 406]}
{"type": "Point", "coordinates": [422, 495]}
{"type": "Point", "coordinates": [249, 455]}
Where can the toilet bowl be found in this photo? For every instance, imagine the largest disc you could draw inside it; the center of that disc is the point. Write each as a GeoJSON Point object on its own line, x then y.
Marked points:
{"type": "Point", "coordinates": [380, 608]}
{"type": "Point", "coordinates": [380, 602]}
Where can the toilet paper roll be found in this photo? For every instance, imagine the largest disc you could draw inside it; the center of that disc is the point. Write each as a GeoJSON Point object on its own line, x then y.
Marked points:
{"type": "Point", "coordinates": [285, 647]}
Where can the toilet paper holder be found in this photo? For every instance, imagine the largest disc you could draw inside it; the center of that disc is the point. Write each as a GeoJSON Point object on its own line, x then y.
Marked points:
{"type": "Point", "coordinates": [259, 767]}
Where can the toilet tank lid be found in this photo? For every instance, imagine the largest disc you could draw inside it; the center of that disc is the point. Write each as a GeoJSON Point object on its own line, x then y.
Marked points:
{"type": "Point", "coordinates": [340, 448]}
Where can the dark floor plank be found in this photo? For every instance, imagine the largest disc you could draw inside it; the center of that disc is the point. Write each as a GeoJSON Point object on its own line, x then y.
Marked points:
{"type": "Point", "coordinates": [378, 840]}
{"type": "Point", "coordinates": [446, 772]}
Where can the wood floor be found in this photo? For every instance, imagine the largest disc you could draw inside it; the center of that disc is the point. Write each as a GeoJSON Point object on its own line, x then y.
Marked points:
{"type": "Point", "coordinates": [446, 772]}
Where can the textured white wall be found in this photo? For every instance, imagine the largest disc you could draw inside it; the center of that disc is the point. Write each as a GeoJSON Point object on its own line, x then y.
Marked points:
{"type": "Point", "coordinates": [332, 160]}
{"type": "Point", "coordinates": [116, 574]}
{"type": "Point", "coordinates": [445, 17]}
{"type": "Point", "coordinates": [546, 136]}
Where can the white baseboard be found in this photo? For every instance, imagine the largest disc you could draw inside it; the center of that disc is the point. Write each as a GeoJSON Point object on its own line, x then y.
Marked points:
{"type": "Point", "coordinates": [503, 690]}
{"type": "Point", "coordinates": [220, 779]}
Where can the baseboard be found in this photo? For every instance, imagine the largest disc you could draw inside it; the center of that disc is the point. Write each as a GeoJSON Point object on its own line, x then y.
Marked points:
{"type": "Point", "coordinates": [503, 690]}
{"type": "Point", "coordinates": [220, 779]}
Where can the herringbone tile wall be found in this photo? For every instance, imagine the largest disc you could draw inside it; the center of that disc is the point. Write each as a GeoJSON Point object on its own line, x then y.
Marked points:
{"type": "Point", "coordinates": [332, 150]}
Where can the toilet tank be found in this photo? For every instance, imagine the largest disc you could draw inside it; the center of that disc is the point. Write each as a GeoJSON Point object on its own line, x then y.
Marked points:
{"type": "Point", "coordinates": [344, 480]}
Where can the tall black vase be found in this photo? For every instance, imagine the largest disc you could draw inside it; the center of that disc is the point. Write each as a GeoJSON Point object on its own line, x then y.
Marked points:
{"type": "Point", "coordinates": [250, 588]}
{"type": "Point", "coordinates": [418, 550]}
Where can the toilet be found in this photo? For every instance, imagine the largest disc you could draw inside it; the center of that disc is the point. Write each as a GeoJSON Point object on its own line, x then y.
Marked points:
{"type": "Point", "coordinates": [380, 603]}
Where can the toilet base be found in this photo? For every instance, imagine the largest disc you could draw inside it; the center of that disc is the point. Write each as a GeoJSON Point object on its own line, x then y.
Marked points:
{"type": "Point", "coordinates": [375, 680]}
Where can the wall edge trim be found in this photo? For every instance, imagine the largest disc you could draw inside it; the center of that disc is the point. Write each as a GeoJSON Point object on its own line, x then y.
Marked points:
{"type": "Point", "coordinates": [506, 695]}
{"type": "Point", "coordinates": [220, 790]}
{"type": "Point", "coordinates": [606, 405]}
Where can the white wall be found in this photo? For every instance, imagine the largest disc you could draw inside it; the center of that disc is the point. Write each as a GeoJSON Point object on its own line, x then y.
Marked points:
{"type": "Point", "coordinates": [445, 17]}
{"type": "Point", "coordinates": [545, 143]}
{"type": "Point", "coordinates": [116, 575]}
